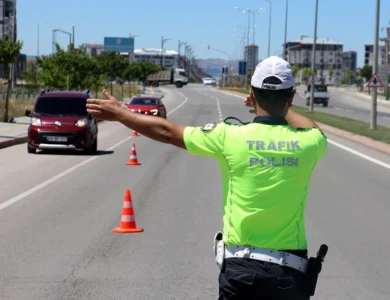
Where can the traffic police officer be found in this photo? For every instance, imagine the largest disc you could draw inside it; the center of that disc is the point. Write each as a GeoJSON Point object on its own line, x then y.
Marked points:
{"type": "Point", "coordinates": [266, 170]}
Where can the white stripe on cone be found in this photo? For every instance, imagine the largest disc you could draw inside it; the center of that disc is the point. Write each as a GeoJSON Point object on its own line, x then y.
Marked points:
{"type": "Point", "coordinates": [127, 204]}
{"type": "Point", "coordinates": [127, 218]}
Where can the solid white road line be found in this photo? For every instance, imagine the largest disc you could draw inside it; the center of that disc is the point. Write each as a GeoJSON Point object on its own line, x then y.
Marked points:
{"type": "Point", "coordinates": [350, 150]}
{"type": "Point", "coordinates": [44, 184]}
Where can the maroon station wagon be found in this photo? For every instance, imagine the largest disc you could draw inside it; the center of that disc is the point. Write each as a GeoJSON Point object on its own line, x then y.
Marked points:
{"type": "Point", "coordinates": [60, 121]}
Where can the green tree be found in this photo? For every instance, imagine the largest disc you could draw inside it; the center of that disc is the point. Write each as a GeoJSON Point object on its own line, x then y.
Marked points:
{"type": "Point", "coordinates": [330, 72]}
{"type": "Point", "coordinates": [307, 73]}
{"type": "Point", "coordinates": [348, 74]}
{"type": "Point", "coordinates": [55, 69]}
{"type": "Point", "coordinates": [9, 51]}
{"type": "Point", "coordinates": [366, 72]}
{"type": "Point", "coordinates": [32, 78]}
{"type": "Point", "coordinates": [295, 70]}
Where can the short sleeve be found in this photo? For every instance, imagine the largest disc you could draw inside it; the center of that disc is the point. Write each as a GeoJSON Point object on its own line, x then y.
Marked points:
{"type": "Point", "coordinates": [205, 141]}
{"type": "Point", "coordinates": [322, 142]}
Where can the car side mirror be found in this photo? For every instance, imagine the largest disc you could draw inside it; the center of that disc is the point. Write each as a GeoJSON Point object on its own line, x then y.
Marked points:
{"type": "Point", "coordinates": [27, 113]}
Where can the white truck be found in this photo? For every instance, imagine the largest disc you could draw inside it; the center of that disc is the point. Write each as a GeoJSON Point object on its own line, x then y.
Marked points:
{"type": "Point", "coordinates": [321, 94]}
{"type": "Point", "coordinates": [174, 76]}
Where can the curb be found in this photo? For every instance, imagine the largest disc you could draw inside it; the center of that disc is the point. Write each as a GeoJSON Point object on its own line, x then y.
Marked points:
{"type": "Point", "coordinates": [363, 140]}
{"type": "Point", "coordinates": [360, 139]}
{"type": "Point", "coordinates": [13, 141]}
{"type": "Point", "coordinates": [368, 97]}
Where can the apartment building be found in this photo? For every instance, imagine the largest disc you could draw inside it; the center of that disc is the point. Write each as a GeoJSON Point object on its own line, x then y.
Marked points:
{"type": "Point", "coordinates": [329, 56]}
{"type": "Point", "coordinates": [251, 53]}
{"type": "Point", "coordinates": [369, 53]}
{"type": "Point", "coordinates": [8, 25]}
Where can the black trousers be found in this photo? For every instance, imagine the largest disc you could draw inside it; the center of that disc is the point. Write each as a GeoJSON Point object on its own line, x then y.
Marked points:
{"type": "Point", "coordinates": [246, 279]}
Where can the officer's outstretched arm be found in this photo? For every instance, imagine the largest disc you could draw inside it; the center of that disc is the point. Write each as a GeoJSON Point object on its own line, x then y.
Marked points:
{"type": "Point", "coordinates": [156, 128]}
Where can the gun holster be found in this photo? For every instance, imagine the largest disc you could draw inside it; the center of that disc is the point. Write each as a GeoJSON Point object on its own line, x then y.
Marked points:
{"type": "Point", "coordinates": [313, 270]}
{"type": "Point", "coordinates": [219, 250]}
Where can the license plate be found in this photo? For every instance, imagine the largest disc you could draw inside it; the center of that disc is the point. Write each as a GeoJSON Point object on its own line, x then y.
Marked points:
{"type": "Point", "coordinates": [56, 138]}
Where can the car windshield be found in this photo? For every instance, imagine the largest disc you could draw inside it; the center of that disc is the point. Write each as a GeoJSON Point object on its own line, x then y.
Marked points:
{"type": "Point", "coordinates": [143, 101]}
{"type": "Point", "coordinates": [320, 88]}
{"type": "Point", "coordinates": [61, 106]}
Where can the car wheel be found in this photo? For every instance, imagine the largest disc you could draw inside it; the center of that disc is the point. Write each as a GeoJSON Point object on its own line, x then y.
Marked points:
{"type": "Point", "coordinates": [325, 104]}
{"type": "Point", "coordinates": [31, 149]}
{"type": "Point", "coordinates": [93, 148]}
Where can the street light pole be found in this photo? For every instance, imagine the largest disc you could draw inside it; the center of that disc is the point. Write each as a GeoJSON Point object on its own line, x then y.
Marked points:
{"type": "Point", "coordinates": [285, 33]}
{"type": "Point", "coordinates": [270, 24]}
{"type": "Point", "coordinates": [313, 63]}
{"type": "Point", "coordinates": [375, 67]}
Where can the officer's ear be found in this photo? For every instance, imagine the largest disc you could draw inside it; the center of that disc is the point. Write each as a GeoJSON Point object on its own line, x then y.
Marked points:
{"type": "Point", "coordinates": [290, 100]}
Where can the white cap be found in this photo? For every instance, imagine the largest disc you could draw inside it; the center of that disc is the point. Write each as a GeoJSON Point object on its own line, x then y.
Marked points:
{"type": "Point", "coordinates": [273, 66]}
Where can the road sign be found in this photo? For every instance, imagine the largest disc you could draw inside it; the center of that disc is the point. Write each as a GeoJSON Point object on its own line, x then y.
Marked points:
{"type": "Point", "coordinates": [375, 81]}
{"type": "Point", "coordinates": [242, 68]}
{"type": "Point", "coordinates": [313, 78]}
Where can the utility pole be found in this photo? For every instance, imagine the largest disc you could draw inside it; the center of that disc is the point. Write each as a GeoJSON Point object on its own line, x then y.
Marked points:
{"type": "Point", "coordinates": [162, 46]}
{"type": "Point", "coordinates": [247, 54]}
{"type": "Point", "coordinates": [375, 67]}
{"type": "Point", "coordinates": [269, 27]}
{"type": "Point", "coordinates": [73, 36]}
{"type": "Point", "coordinates": [313, 63]}
{"type": "Point", "coordinates": [285, 33]}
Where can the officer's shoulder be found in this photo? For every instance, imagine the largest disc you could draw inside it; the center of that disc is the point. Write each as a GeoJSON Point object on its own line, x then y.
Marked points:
{"type": "Point", "coordinates": [312, 130]}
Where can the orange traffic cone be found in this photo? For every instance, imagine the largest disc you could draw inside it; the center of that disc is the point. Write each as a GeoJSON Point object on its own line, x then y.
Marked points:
{"type": "Point", "coordinates": [134, 133]}
{"type": "Point", "coordinates": [128, 224]}
{"type": "Point", "coordinates": [133, 158]}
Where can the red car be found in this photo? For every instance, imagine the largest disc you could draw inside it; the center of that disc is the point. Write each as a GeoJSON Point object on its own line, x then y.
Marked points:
{"type": "Point", "coordinates": [148, 105]}
{"type": "Point", "coordinates": [60, 121]}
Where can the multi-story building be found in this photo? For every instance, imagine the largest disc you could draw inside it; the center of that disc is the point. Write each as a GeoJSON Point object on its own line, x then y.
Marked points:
{"type": "Point", "coordinates": [8, 26]}
{"type": "Point", "coordinates": [349, 61]}
{"type": "Point", "coordinates": [369, 54]}
{"type": "Point", "coordinates": [169, 57]}
{"type": "Point", "coordinates": [251, 53]}
{"type": "Point", "coordinates": [119, 44]}
{"type": "Point", "coordinates": [93, 49]}
{"type": "Point", "coordinates": [328, 57]}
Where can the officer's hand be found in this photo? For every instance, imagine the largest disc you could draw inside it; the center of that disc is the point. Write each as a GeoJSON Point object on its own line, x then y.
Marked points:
{"type": "Point", "coordinates": [250, 101]}
{"type": "Point", "coordinates": [107, 110]}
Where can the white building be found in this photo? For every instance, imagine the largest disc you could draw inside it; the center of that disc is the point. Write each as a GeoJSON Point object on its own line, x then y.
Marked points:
{"type": "Point", "coordinates": [93, 49]}
{"type": "Point", "coordinates": [169, 57]}
{"type": "Point", "coordinates": [369, 54]}
{"type": "Point", "coordinates": [328, 56]}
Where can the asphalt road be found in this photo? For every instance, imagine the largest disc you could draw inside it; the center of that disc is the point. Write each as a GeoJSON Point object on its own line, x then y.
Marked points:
{"type": "Point", "coordinates": [348, 104]}
{"type": "Point", "coordinates": [57, 212]}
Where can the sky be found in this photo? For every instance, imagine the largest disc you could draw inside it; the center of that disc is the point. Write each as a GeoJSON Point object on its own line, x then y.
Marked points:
{"type": "Point", "coordinates": [199, 23]}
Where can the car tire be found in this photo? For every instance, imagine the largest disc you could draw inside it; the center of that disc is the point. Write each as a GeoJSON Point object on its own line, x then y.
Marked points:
{"type": "Point", "coordinates": [93, 148]}
{"type": "Point", "coordinates": [31, 149]}
{"type": "Point", "coordinates": [325, 105]}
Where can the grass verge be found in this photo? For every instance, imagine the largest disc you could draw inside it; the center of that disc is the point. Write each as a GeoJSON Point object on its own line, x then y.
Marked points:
{"type": "Point", "coordinates": [381, 134]}
{"type": "Point", "coordinates": [17, 106]}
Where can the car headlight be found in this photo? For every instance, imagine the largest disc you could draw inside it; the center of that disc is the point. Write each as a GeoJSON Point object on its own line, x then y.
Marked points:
{"type": "Point", "coordinates": [36, 122]}
{"type": "Point", "coordinates": [82, 123]}
{"type": "Point", "coordinates": [154, 112]}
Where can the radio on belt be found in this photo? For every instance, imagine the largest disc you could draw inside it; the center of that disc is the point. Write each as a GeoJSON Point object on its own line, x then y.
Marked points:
{"type": "Point", "coordinates": [314, 268]}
